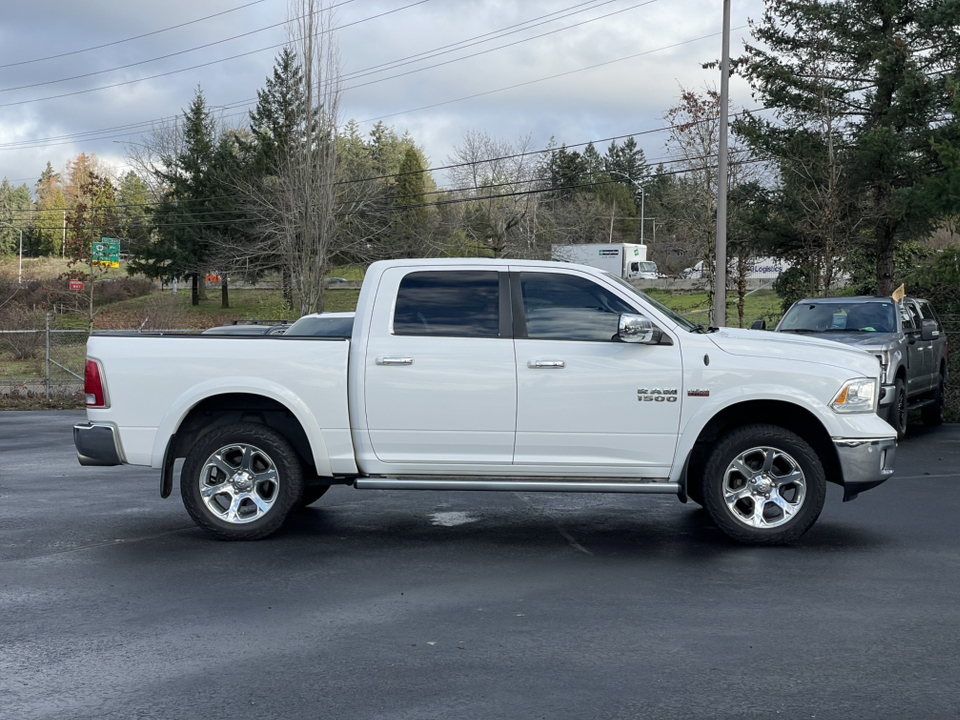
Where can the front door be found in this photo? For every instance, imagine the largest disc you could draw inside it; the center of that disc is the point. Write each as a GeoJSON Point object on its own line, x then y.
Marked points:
{"type": "Point", "coordinates": [587, 402]}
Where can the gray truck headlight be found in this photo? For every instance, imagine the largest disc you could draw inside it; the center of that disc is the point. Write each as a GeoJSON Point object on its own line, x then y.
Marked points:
{"type": "Point", "coordinates": [856, 396]}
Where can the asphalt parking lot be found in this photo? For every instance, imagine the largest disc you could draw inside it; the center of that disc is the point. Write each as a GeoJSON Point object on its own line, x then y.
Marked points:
{"type": "Point", "coordinates": [428, 605]}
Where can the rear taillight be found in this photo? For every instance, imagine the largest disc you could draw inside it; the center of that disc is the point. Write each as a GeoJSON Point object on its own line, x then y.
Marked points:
{"type": "Point", "coordinates": [93, 385]}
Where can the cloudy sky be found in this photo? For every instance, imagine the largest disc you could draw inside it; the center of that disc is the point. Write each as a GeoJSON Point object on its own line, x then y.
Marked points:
{"type": "Point", "coordinates": [87, 76]}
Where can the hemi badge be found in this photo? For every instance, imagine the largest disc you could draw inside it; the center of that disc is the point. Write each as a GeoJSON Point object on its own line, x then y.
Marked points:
{"type": "Point", "coordinates": [698, 393]}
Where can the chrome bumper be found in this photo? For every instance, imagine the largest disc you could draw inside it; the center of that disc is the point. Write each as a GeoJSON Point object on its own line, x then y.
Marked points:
{"type": "Point", "coordinates": [96, 444]}
{"type": "Point", "coordinates": [865, 463]}
{"type": "Point", "coordinates": [886, 396]}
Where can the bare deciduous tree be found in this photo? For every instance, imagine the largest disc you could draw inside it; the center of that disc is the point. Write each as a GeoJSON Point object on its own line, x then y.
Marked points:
{"type": "Point", "coordinates": [498, 175]}
{"type": "Point", "coordinates": [693, 145]}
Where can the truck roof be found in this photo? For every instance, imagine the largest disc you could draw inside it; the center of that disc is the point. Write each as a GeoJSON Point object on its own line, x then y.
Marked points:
{"type": "Point", "coordinates": [496, 262]}
{"type": "Point", "coordinates": [850, 299]}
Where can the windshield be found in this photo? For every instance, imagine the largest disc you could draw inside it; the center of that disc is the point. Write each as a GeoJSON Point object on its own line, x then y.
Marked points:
{"type": "Point", "coordinates": [678, 319]}
{"type": "Point", "coordinates": [648, 267]}
{"type": "Point", "coordinates": [854, 316]}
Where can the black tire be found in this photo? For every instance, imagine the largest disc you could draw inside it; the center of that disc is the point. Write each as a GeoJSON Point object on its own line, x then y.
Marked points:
{"type": "Point", "coordinates": [933, 414]}
{"type": "Point", "coordinates": [312, 493]}
{"type": "Point", "coordinates": [897, 415]}
{"type": "Point", "coordinates": [754, 475]}
{"type": "Point", "coordinates": [254, 501]}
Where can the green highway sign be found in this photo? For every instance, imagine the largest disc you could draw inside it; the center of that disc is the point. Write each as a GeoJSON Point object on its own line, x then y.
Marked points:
{"type": "Point", "coordinates": [107, 252]}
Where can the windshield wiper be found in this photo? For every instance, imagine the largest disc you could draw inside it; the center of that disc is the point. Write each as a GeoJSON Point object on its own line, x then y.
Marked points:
{"type": "Point", "coordinates": [704, 330]}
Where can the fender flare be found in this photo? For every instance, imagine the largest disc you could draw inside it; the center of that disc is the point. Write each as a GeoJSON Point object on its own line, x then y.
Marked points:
{"type": "Point", "coordinates": [163, 455]}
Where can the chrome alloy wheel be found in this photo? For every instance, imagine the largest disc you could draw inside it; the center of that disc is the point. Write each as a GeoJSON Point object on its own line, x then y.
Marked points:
{"type": "Point", "coordinates": [239, 483]}
{"type": "Point", "coordinates": [764, 487]}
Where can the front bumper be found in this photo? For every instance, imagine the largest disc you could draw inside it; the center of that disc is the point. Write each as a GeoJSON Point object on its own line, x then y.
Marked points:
{"type": "Point", "coordinates": [865, 463]}
{"type": "Point", "coordinates": [96, 444]}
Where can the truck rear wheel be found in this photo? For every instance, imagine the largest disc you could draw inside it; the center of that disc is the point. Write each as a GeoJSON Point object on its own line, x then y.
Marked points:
{"type": "Point", "coordinates": [763, 485]}
{"type": "Point", "coordinates": [241, 481]}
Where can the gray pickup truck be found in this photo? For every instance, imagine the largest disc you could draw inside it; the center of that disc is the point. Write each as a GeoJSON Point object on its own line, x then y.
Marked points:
{"type": "Point", "coordinates": [906, 337]}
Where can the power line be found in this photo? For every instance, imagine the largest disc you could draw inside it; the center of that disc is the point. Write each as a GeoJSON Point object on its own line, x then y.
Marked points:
{"type": "Point", "coordinates": [386, 209]}
{"type": "Point", "coordinates": [503, 32]}
{"type": "Point", "coordinates": [550, 77]}
{"type": "Point", "coordinates": [201, 65]}
{"type": "Point", "coordinates": [649, 163]}
{"type": "Point", "coordinates": [130, 39]}
{"type": "Point", "coordinates": [41, 142]}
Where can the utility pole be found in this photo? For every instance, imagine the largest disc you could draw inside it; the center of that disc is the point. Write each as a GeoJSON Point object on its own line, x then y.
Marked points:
{"type": "Point", "coordinates": [720, 272]}
{"type": "Point", "coordinates": [643, 195]}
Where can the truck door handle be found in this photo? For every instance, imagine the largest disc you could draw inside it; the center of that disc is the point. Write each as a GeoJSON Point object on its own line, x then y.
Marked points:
{"type": "Point", "coordinates": [394, 361]}
{"type": "Point", "coordinates": [537, 364]}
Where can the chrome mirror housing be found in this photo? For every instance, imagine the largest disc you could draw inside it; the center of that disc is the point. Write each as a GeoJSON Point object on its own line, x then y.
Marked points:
{"type": "Point", "coordinates": [638, 329]}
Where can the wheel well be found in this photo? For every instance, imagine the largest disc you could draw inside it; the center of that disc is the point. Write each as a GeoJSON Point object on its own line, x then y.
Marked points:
{"type": "Point", "coordinates": [772, 412]}
{"type": "Point", "coordinates": [219, 410]}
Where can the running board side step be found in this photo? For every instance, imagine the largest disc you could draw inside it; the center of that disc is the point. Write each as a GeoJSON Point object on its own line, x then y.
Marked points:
{"type": "Point", "coordinates": [518, 485]}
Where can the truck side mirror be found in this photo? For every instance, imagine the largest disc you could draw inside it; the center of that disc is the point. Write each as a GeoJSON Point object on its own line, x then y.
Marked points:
{"type": "Point", "coordinates": [638, 329]}
{"type": "Point", "coordinates": [928, 329]}
{"type": "Point", "coordinates": [759, 325]}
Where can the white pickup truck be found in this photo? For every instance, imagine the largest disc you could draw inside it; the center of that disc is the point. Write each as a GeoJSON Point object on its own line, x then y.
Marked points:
{"type": "Point", "coordinates": [493, 375]}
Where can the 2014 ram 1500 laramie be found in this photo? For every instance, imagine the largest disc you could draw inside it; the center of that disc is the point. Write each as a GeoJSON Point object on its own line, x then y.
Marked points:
{"type": "Point", "coordinates": [493, 375]}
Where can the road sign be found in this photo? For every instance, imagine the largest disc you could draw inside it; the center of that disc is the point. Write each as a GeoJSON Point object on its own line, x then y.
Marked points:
{"type": "Point", "coordinates": [107, 252]}
{"type": "Point", "coordinates": [76, 284]}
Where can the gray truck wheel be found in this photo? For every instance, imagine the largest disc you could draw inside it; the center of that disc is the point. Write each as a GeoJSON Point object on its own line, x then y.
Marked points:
{"type": "Point", "coordinates": [933, 414]}
{"type": "Point", "coordinates": [763, 485]}
{"type": "Point", "coordinates": [897, 417]}
{"type": "Point", "coordinates": [240, 481]}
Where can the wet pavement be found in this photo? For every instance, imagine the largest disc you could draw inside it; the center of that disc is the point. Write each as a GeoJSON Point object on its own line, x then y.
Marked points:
{"type": "Point", "coordinates": [423, 605]}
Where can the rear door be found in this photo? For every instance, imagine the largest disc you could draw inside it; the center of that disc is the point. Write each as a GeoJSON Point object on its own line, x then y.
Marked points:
{"type": "Point", "coordinates": [440, 377]}
{"type": "Point", "coordinates": [938, 346]}
{"type": "Point", "coordinates": [917, 362]}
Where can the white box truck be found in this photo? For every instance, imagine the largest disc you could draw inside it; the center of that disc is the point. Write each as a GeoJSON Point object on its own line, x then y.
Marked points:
{"type": "Point", "coordinates": [625, 260]}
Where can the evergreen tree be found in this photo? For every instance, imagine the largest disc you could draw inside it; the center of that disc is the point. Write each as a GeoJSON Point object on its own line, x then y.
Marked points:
{"type": "Point", "coordinates": [188, 206]}
{"type": "Point", "coordinates": [626, 161]}
{"type": "Point", "coordinates": [132, 210]}
{"type": "Point", "coordinates": [881, 72]}
{"type": "Point", "coordinates": [15, 216]}
{"type": "Point", "coordinates": [411, 217]}
{"type": "Point", "coordinates": [277, 121]}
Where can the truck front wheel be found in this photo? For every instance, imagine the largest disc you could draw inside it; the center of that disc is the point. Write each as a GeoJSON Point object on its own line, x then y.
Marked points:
{"type": "Point", "coordinates": [898, 410]}
{"type": "Point", "coordinates": [241, 481]}
{"type": "Point", "coordinates": [763, 485]}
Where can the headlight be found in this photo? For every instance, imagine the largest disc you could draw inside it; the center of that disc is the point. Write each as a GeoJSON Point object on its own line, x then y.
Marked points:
{"type": "Point", "coordinates": [856, 396]}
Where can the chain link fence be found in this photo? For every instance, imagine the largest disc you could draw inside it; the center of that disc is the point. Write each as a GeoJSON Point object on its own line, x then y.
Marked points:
{"type": "Point", "coordinates": [42, 364]}
{"type": "Point", "coordinates": [951, 326]}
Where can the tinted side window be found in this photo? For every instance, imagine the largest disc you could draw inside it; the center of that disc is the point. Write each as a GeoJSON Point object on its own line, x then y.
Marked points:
{"type": "Point", "coordinates": [926, 309]}
{"type": "Point", "coordinates": [453, 304]}
{"type": "Point", "coordinates": [906, 318]}
{"type": "Point", "coordinates": [565, 307]}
